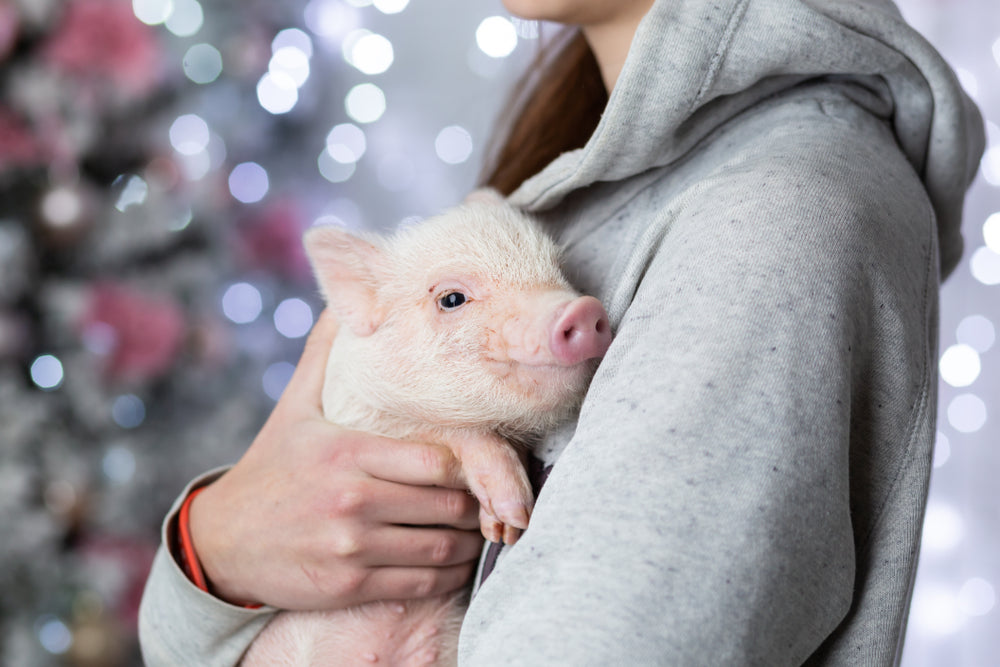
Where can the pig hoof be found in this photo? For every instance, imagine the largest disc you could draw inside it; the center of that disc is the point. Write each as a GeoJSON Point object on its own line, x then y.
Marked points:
{"type": "Point", "coordinates": [511, 534]}
{"type": "Point", "coordinates": [493, 531]}
{"type": "Point", "coordinates": [513, 513]}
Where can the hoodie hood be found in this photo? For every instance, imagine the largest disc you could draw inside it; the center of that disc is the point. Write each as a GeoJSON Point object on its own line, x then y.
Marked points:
{"type": "Point", "coordinates": [694, 65]}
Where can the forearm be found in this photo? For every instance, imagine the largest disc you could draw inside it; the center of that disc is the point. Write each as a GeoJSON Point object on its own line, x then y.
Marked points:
{"type": "Point", "coordinates": [181, 624]}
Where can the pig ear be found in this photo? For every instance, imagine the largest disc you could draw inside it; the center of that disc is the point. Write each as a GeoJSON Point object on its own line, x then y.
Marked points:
{"type": "Point", "coordinates": [484, 195]}
{"type": "Point", "coordinates": [349, 271]}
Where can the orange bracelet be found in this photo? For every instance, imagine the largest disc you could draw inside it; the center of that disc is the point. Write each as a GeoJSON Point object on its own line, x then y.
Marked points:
{"type": "Point", "coordinates": [188, 556]}
{"type": "Point", "coordinates": [189, 559]}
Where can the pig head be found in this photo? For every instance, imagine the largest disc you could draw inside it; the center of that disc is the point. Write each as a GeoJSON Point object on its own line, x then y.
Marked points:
{"type": "Point", "coordinates": [464, 320]}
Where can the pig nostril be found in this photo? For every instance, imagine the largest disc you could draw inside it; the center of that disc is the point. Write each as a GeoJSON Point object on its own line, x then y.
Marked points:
{"type": "Point", "coordinates": [602, 325]}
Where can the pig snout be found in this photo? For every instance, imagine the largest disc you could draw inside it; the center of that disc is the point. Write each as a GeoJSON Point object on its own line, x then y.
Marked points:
{"type": "Point", "coordinates": [580, 332]}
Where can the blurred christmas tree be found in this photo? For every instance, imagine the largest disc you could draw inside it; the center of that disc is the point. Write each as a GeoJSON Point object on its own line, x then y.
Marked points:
{"type": "Point", "coordinates": [159, 160]}
{"type": "Point", "coordinates": [119, 377]}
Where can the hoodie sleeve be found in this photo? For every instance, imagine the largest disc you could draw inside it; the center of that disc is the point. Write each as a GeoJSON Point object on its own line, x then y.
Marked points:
{"type": "Point", "coordinates": [769, 384]}
{"type": "Point", "coordinates": [179, 624]}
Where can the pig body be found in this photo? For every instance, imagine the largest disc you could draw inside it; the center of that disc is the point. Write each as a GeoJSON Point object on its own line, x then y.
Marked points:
{"type": "Point", "coordinates": [461, 326]}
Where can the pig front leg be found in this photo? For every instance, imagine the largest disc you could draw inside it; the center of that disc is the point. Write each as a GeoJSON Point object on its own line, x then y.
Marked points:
{"type": "Point", "coordinates": [496, 476]}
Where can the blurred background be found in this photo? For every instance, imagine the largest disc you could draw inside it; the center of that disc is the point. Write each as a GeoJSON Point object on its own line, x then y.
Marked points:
{"type": "Point", "coordinates": [159, 160]}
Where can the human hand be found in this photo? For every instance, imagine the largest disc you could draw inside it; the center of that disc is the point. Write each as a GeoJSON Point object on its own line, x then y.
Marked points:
{"type": "Point", "coordinates": [315, 516]}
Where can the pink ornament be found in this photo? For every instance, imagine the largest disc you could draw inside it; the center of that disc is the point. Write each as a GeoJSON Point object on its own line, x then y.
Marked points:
{"type": "Point", "coordinates": [9, 24]}
{"type": "Point", "coordinates": [272, 240]}
{"type": "Point", "coordinates": [102, 39]}
{"type": "Point", "coordinates": [18, 146]}
{"type": "Point", "coordinates": [120, 564]}
{"type": "Point", "coordinates": [139, 334]}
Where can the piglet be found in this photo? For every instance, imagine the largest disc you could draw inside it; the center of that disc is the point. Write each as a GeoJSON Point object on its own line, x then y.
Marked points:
{"type": "Point", "coordinates": [460, 325]}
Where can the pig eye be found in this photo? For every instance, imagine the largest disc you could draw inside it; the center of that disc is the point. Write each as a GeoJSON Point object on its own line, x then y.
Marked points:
{"type": "Point", "coordinates": [451, 301]}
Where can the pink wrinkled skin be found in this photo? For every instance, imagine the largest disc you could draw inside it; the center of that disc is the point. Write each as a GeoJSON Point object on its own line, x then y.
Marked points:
{"type": "Point", "coordinates": [511, 355]}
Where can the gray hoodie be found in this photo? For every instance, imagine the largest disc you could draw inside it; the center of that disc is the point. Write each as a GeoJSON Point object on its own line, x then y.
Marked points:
{"type": "Point", "coordinates": [765, 209]}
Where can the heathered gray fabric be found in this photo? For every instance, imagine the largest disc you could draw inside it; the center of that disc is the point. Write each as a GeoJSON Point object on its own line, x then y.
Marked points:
{"type": "Point", "coordinates": [763, 210]}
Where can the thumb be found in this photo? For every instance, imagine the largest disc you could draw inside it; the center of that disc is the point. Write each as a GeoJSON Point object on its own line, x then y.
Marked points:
{"type": "Point", "coordinates": [305, 389]}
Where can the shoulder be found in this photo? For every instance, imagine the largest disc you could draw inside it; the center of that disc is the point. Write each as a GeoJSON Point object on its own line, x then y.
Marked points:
{"type": "Point", "coordinates": [815, 181]}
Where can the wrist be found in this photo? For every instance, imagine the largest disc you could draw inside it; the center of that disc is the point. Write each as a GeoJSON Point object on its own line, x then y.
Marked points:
{"type": "Point", "coordinates": [195, 539]}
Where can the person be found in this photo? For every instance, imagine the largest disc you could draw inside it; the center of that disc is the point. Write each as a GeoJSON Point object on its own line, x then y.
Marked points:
{"type": "Point", "coordinates": [765, 195]}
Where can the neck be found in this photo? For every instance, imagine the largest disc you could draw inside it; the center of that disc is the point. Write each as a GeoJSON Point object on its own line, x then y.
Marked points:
{"type": "Point", "coordinates": [610, 40]}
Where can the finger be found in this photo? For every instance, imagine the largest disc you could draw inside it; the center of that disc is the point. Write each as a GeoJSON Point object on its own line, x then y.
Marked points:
{"type": "Point", "coordinates": [423, 506]}
{"type": "Point", "coordinates": [406, 546]}
{"type": "Point", "coordinates": [306, 386]}
{"type": "Point", "coordinates": [407, 583]}
{"type": "Point", "coordinates": [414, 463]}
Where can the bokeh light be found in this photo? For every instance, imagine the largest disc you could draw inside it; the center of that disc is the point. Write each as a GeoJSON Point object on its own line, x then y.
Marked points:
{"type": "Point", "coordinates": [54, 635]}
{"type": "Point", "coordinates": [967, 413]}
{"type": "Point", "coordinates": [331, 19]}
{"type": "Point", "coordinates": [977, 332]}
{"type": "Point", "coordinates": [959, 365]}
{"type": "Point", "coordinates": [47, 372]}
{"type": "Point", "coordinates": [189, 134]}
{"type": "Point", "coordinates": [453, 144]}
{"type": "Point", "coordinates": [292, 61]}
{"type": "Point", "coordinates": [152, 12]}
{"type": "Point", "coordinates": [133, 194]}
{"type": "Point", "coordinates": [365, 103]}
{"type": "Point", "coordinates": [202, 63]}
{"type": "Point", "coordinates": [292, 37]}
{"type": "Point", "coordinates": [334, 170]}
{"type": "Point", "coordinates": [186, 18]}
{"type": "Point", "coordinates": [128, 411]}
{"type": "Point", "coordinates": [496, 37]}
{"type": "Point", "coordinates": [118, 464]}
{"type": "Point", "coordinates": [390, 6]}
{"type": "Point", "coordinates": [943, 527]}
{"type": "Point", "coordinates": [248, 182]}
{"type": "Point", "coordinates": [977, 597]}
{"type": "Point", "coordinates": [293, 318]}
{"type": "Point", "coordinates": [985, 266]}
{"type": "Point", "coordinates": [968, 81]}
{"type": "Point", "coordinates": [991, 165]}
{"type": "Point", "coordinates": [277, 92]}
{"type": "Point", "coordinates": [370, 53]}
{"type": "Point", "coordinates": [242, 303]}
{"type": "Point", "coordinates": [61, 206]}
{"type": "Point", "coordinates": [346, 143]}
{"type": "Point", "coordinates": [991, 232]}
{"type": "Point", "coordinates": [935, 610]}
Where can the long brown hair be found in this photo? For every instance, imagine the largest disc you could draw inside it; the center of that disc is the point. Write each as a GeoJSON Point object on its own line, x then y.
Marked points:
{"type": "Point", "coordinates": [554, 108]}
